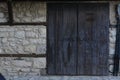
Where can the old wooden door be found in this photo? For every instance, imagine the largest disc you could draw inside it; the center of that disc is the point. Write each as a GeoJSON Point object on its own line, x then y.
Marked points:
{"type": "Point", "coordinates": [77, 38]}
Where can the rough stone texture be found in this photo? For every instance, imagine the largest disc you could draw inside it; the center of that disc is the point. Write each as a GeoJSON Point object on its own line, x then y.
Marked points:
{"type": "Point", "coordinates": [20, 34]}
{"type": "Point", "coordinates": [39, 63]}
{"type": "Point", "coordinates": [3, 12]}
{"type": "Point", "coordinates": [112, 33]}
{"type": "Point", "coordinates": [67, 78]}
{"type": "Point", "coordinates": [18, 67]}
{"type": "Point", "coordinates": [23, 39]}
{"type": "Point", "coordinates": [112, 38]}
{"type": "Point", "coordinates": [113, 12]}
{"type": "Point", "coordinates": [33, 12]}
{"type": "Point", "coordinates": [32, 39]}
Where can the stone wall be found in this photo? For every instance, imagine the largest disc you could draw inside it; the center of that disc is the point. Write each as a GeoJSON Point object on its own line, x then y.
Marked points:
{"type": "Point", "coordinates": [33, 12]}
{"type": "Point", "coordinates": [3, 12]}
{"type": "Point", "coordinates": [112, 32]}
{"type": "Point", "coordinates": [32, 39]}
{"type": "Point", "coordinates": [23, 40]}
{"type": "Point", "coordinates": [20, 67]}
{"type": "Point", "coordinates": [68, 78]}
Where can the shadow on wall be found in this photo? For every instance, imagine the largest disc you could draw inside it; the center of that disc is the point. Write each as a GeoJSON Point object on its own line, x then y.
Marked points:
{"type": "Point", "coordinates": [2, 77]}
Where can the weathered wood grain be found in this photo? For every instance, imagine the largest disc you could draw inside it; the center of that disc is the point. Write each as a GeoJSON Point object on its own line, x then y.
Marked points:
{"type": "Point", "coordinates": [77, 41]}
{"type": "Point", "coordinates": [93, 39]}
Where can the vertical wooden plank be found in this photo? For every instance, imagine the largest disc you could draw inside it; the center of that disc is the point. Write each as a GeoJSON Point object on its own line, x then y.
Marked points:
{"type": "Point", "coordinates": [62, 33]}
{"type": "Point", "coordinates": [85, 22]}
{"type": "Point", "coordinates": [104, 39]}
{"type": "Point", "coordinates": [69, 45]}
{"type": "Point", "coordinates": [50, 39]}
{"type": "Point", "coordinates": [95, 43]}
{"type": "Point", "coordinates": [101, 34]}
{"type": "Point", "coordinates": [93, 39]}
{"type": "Point", "coordinates": [58, 24]}
{"type": "Point", "coordinates": [81, 41]}
{"type": "Point", "coordinates": [66, 48]}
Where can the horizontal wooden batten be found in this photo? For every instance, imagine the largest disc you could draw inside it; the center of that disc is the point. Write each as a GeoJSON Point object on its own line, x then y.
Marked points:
{"type": "Point", "coordinates": [22, 55]}
{"type": "Point", "coordinates": [112, 26]}
{"type": "Point", "coordinates": [40, 23]}
{"type": "Point", "coordinates": [5, 23]}
{"type": "Point", "coordinates": [56, 0]}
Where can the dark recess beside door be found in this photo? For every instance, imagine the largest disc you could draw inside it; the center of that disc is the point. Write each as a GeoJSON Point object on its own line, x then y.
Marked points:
{"type": "Point", "coordinates": [77, 38]}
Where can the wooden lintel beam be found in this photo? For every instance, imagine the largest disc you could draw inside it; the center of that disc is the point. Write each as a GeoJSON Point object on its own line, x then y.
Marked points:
{"type": "Point", "coordinates": [22, 55]}
{"type": "Point", "coordinates": [6, 23]}
{"type": "Point", "coordinates": [28, 23]}
{"type": "Point", "coordinates": [16, 23]}
{"type": "Point", "coordinates": [54, 0]}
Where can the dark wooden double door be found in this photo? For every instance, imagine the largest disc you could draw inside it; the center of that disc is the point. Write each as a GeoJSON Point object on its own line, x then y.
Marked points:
{"type": "Point", "coordinates": [77, 38]}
